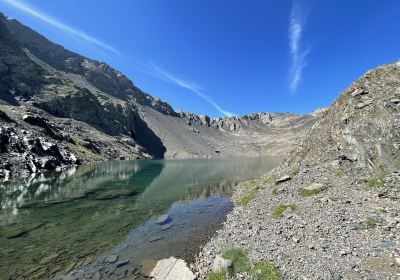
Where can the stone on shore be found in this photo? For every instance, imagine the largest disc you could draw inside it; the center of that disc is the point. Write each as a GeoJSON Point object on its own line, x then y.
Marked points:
{"type": "Point", "coordinates": [221, 264]}
{"type": "Point", "coordinates": [283, 179]}
{"type": "Point", "coordinates": [172, 269]}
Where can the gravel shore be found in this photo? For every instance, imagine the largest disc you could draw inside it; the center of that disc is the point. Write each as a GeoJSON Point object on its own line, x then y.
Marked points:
{"type": "Point", "coordinates": [344, 231]}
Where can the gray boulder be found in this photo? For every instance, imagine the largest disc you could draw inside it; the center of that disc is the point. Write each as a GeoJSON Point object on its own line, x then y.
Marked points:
{"type": "Point", "coordinates": [172, 269]}
{"type": "Point", "coordinates": [221, 264]}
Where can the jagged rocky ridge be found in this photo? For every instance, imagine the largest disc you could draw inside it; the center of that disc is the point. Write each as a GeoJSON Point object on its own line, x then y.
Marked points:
{"type": "Point", "coordinates": [60, 108]}
{"type": "Point", "coordinates": [330, 210]}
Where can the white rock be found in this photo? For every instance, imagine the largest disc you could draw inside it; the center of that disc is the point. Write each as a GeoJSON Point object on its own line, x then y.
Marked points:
{"type": "Point", "coordinates": [220, 264]}
{"type": "Point", "coordinates": [172, 269]}
{"type": "Point", "coordinates": [283, 179]}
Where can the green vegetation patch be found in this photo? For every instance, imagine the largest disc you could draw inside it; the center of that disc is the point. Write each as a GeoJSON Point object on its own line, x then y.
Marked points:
{"type": "Point", "coordinates": [269, 180]}
{"type": "Point", "coordinates": [247, 197]}
{"type": "Point", "coordinates": [338, 173]}
{"type": "Point", "coordinates": [309, 192]}
{"type": "Point", "coordinates": [275, 191]}
{"type": "Point", "coordinates": [265, 271]}
{"type": "Point", "coordinates": [239, 259]}
{"type": "Point", "coordinates": [377, 181]}
{"type": "Point", "coordinates": [371, 222]}
{"type": "Point", "coordinates": [242, 264]}
{"type": "Point", "coordinates": [83, 149]}
{"type": "Point", "coordinates": [373, 182]}
{"type": "Point", "coordinates": [250, 184]}
{"type": "Point", "coordinates": [278, 212]}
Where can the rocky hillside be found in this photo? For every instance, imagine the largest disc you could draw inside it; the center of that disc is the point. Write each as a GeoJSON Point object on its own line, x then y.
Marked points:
{"type": "Point", "coordinates": [361, 129]}
{"type": "Point", "coordinates": [330, 211]}
{"type": "Point", "coordinates": [59, 108]}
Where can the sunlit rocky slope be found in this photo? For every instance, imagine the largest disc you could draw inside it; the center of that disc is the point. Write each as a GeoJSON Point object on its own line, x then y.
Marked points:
{"type": "Point", "coordinates": [330, 210]}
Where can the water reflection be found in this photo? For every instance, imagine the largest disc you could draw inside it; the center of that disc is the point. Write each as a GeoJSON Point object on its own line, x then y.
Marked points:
{"type": "Point", "coordinates": [56, 221]}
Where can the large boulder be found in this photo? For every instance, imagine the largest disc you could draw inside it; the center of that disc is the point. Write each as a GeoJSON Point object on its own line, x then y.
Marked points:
{"type": "Point", "coordinates": [172, 269]}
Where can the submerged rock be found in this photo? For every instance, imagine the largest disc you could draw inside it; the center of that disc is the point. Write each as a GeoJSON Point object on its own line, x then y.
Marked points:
{"type": "Point", "coordinates": [163, 219]}
{"type": "Point", "coordinates": [112, 259]}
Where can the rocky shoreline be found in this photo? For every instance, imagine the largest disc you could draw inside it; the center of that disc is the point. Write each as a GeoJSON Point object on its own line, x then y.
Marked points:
{"type": "Point", "coordinates": [342, 231]}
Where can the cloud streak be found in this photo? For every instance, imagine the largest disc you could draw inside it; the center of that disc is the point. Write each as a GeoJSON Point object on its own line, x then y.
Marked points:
{"type": "Point", "coordinates": [173, 79]}
{"type": "Point", "coordinates": [59, 25]}
{"type": "Point", "coordinates": [296, 28]}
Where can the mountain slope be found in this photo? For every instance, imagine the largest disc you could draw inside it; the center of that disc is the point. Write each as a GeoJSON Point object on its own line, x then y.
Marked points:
{"type": "Point", "coordinates": [87, 111]}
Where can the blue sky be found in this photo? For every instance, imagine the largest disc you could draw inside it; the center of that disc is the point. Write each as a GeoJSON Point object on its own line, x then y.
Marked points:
{"type": "Point", "coordinates": [228, 56]}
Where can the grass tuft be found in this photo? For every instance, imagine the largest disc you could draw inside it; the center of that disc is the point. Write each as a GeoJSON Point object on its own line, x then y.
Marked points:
{"type": "Point", "coordinates": [242, 264]}
{"type": "Point", "coordinates": [377, 181]}
{"type": "Point", "coordinates": [239, 259]}
{"type": "Point", "coordinates": [373, 182]}
{"type": "Point", "coordinates": [308, 192]}
{"type": "Point", "coordinates": [278, 212]}
{"type": "Point", "coordinates": [370, 222]}
{"type": "Point", "coordinates": [247, 197]}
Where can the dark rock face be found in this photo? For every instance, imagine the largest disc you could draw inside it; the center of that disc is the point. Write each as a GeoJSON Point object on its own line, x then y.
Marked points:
{"type": "Point", "coordinates": [34, 96]}
{"type": "Point", "coordinates": [30, 153]}
{"type": "Point", "coordinates": [43, 123]}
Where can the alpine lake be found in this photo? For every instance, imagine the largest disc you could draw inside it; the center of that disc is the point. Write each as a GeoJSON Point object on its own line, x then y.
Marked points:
{"type": "Point", "coordinates": [114, 220]}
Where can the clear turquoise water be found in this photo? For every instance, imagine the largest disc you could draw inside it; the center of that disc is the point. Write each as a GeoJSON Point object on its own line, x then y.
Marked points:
{"type": "Point", "coordinates": [67, 222]}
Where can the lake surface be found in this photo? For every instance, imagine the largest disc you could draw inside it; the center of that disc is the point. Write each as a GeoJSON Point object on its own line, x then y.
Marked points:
{"type": "Point", "coordinates": [115, 219]}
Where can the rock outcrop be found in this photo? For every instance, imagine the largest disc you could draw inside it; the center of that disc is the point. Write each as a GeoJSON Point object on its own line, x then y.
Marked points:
{"type": "Point", "coordinates": [360, 131]}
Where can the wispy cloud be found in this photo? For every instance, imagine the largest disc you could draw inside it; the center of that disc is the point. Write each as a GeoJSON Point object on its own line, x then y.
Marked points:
{"type": "Point", "coordinates": [80, 34]}
{"type": "Point", "coordinates": [195, 88]}
{"type": "Point", "coordinates": [297, 19]}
